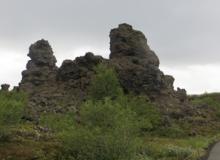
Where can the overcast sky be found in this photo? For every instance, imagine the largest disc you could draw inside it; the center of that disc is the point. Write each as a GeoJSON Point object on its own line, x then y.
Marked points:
{"type": "Point", "coordinates": [185, 34]}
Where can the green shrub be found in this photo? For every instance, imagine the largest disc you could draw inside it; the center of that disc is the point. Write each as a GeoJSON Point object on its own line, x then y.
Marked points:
{"type": "Point", "coordinates": [107, 114]}
{"type": "Point", "coordinates": [148, 117]}
{"type": "Point", "coordinates": [58, 122]}
{"type": "Point", "coordinates": [93, 144]}
{"type": "Point", "coordinates": [212, 100]}
{"type": "Point", "coordinates": [104, 84]}
{"type": "Point", "coordinates": [173, 131]}
{"type": "Point", "coordinates": [11, 107]}
{"type": "Point", "coordinates": [107, 131]}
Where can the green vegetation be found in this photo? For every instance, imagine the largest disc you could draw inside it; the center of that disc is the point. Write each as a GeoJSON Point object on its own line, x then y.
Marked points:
{"type": "Point", "coordinates": [211, 100]}
{"type": "Point", "coordinates": [105, 84]}
{"type": "Point", "coordinates": [109, 126]}
{"type": "Point", "coordinates": [105, 132]}
{"type": "Point", "coordinates": [11, 111]}
{"type": "Point", "coordinates": [11, 107]}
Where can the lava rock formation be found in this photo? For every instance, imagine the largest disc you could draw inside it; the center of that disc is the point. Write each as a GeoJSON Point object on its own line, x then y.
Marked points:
{"type": "Point", "coordinates": [53, 89]}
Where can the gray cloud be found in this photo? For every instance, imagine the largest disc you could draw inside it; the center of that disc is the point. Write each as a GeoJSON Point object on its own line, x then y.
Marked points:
{"type": "Point", "coordinates": [182, 33]}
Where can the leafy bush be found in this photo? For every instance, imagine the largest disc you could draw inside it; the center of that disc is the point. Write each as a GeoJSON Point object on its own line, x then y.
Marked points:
{"type": "Point", "coordinates": [92, 144]}
{"type": "Point", "coordinates": [58, 122]}
{"type": "Point", "coordinates": [11, 107]}
{"type": "Point", "coordinates": [107, 114]}
{"type": "Point", "coordinates": [148, 117]}
{"type": "Point", "coordinates": [212, 100]}
{"type": "Point", "coordinates": [173, 131]}
{"type": "Point", "coordinates": [104, 84]}
{"type": "Point", "coordinates": [107, 131]}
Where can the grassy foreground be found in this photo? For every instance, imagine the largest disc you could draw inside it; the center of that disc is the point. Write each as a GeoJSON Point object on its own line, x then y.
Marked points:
{"type": "Point", "coordinates": [110, 126]}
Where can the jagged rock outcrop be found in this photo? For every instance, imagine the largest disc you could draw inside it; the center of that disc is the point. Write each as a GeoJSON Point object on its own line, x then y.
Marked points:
{"type": "Point", "coordinates": [181, 94]}
{"type": "Point", "coordinates": [41, 69]}
{"type": "Point", "coordinates": [136, 64]}
{"type": "Point", "coordinates": [5, 87]}
{"type": "Point", "coordinates": [74, 72]}
{"type": "Point", "coordinates": [53, 89]}
{"type": "Point", "coordinates": [74, 77]}
{"type": "Point", "coordinates": [125, 42]}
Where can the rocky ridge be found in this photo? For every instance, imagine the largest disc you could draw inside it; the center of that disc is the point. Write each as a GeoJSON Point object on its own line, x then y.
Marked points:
{"type": "Point", "coordinates": [53, 89]}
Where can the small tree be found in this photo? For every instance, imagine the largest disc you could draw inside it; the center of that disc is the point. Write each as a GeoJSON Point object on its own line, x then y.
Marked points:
{"type": "Point", "coordinates": [104, 84]}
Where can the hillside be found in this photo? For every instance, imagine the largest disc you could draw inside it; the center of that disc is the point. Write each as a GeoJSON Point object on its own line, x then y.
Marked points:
{"type": "Point", "coordinates": [91, 108]}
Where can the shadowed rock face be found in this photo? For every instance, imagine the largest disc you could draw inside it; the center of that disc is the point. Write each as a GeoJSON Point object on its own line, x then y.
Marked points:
{"type": "Point", "coordinates": [79, 68]}
{"type": "Point", "coordinates": [41, 54]}
{"type": "Point", "coordinates": [136, 64]}
{"type": "Point", "coordinates": [132, 44]}
{"type": "Point", "coordinates": [41, 69]}
{"type": "Point", "coordinates": [53, 89]}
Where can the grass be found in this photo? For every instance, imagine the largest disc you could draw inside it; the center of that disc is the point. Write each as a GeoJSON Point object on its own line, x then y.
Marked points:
{"type": "Point", "coordinates": [190, 148]}
{"type": "Point", "coordinates": [212, 100]}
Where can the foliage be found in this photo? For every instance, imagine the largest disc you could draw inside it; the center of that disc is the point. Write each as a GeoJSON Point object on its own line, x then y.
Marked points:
{"type": "Point", "coordinates": [58, 122]}
{"type": "Point", "coordinates": [109, 122]}
{"type": "Point", "coordinates": [11, 107]}
{"type": "Point", "coordinates": [148, 118]}
{"type": "Point", "coordinates": [192, 148]}
{"type": "Point", "coordinates": [11, 111]}
{"type": "Point", "coordinates": [178, 152]}
{"type": "Point", "coordinates": [110, 126]}
{"type": "Point", "coordinates": [5, 135]}
{"type": "Point", "coordinates": [212, 100]}
{"type": "Point", "coordinates": [173, 131]}
{"type": "Point", "coordinates": [106, 131]}
{"type": "Point", "coordinates": [105, 84]}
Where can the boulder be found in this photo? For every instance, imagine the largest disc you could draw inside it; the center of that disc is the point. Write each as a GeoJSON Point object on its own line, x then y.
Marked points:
{"type": "Point", "coordinates": [181, 94]}
{"type": "Point", "coordinates": [5, 87]}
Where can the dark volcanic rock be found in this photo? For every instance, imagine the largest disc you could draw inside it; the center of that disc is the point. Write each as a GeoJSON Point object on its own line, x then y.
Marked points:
{"type": "Point", "coordinates": [79, 68]}
{"type": "Point", "coordinates": [53, 89]}
{"type": "Point", "coordinates": [41, 69]}
{"type": "Point", "coordinates": [5, 87]}
{"type": "Point", "coordinates": [181, 94]}
{"type": "Point", "coordinates": [137, 65]}
{"type": "Point", "coordinates": [41, 54]}
{"type": "Point", "coordinates": [130, 43]}
{"type": "Point", "coordinates": [74, 76]}
{"type": "Point", "coordinates": [15, 89]}
{"type": "Point", "coordinates": [39, 79]}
